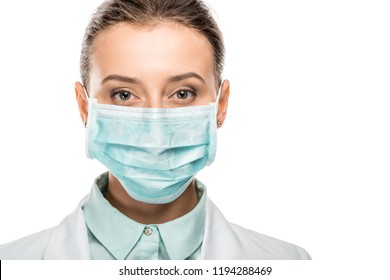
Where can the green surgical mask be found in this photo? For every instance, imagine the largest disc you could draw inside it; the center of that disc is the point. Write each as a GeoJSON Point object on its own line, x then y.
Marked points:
{"type": "Point", "coordinates": [153, 152]}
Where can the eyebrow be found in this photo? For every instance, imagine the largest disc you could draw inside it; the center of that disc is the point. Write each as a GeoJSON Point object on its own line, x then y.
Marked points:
{"type": "Point", "coordinates": [121, 78]}
{"type": "Point", "coordinates": [184, 76]}
{"type": "Point", "coordinates": [132, 80]}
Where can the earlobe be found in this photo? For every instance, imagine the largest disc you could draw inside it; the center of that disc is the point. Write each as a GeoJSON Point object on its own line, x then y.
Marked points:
{"type": "Point", "coordinates": [82, 101]}
{"type": "Point", "coordinates": [223, 103]}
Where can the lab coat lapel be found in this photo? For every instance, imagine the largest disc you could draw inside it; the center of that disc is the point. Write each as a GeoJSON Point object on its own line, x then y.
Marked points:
{"type": "Point", "coordinates": [69, 240]}
{"type": "Point", "coordinates": [220, 241]}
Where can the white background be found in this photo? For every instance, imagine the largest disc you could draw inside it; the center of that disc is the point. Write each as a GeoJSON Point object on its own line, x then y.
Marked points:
{"type": "Point", "coordinates": [304, 154]}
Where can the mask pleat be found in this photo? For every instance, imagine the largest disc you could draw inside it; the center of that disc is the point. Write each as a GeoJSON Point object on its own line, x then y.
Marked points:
{"type": "Point", "coordinates": [156, 193]}
{"type": "Point", "coordinates": [158, 159]}
{"type": "Point", "coordinates": [152, 135]}
{"type": "Point", "coordinates": [133, 172]}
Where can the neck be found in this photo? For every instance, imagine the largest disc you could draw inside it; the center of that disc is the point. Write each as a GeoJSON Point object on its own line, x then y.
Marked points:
{"type": "Point", "coordinates": [146, 213]}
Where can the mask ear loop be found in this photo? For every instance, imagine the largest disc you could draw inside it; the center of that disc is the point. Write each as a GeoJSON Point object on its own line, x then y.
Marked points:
{"type": "Point", "coordinates": [91, 101]}
{"type": "Point", "coordinates": [88, 99]}
{"type": "Point", "coordinates": [86, 92]}
{"type": "Point", "coordinates": [218, 94]}
{"type": "Point", "coordinates": [219, 123]}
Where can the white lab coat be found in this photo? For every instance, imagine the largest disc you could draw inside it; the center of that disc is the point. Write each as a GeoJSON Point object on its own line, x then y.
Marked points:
{"type": "Point", "coordinates": [222, 241]}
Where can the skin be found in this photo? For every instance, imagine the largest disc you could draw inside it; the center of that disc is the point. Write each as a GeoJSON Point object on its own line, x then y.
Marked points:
{"type": "Point", "coordinates": [164, 65]}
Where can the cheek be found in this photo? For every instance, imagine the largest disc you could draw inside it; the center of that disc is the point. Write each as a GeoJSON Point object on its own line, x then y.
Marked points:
{"type": "Point", "coordinates": [103, 98]}
{"type": "Point", "coordinates": [206, 98]}
{"type": "Point", "coordinates": [210, 97]}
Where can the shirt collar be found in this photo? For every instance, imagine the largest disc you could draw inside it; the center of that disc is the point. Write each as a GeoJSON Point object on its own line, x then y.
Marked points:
{"type": "Point", "coordinates": [115, 231]}
{"type": "Point", "coordinates": [119, 234]}
{"type": "Point", "coordinates": [184, 235]}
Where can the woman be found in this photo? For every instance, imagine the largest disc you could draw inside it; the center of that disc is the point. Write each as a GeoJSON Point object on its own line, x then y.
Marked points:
{"type": "Point", "coordinates": [151, 99]}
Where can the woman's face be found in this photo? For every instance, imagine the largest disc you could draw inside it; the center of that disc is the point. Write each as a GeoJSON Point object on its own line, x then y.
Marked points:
{"type": "Point", "coordinates": [161, 66]}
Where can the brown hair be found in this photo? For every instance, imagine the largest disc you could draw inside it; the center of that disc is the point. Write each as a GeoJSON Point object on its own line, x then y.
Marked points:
{"type": "Point", "coordinates": [190, 13]}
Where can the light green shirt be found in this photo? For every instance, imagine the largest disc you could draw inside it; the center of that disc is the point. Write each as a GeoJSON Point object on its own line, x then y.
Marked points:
{"type": "Point", "coordinates": [112, 235]}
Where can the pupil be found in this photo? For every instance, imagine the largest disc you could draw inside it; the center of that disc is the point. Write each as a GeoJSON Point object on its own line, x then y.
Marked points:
{"type": "Point", "coordinates": [183, 94]}
{"type": "Point", "coordinates": [124, 95]}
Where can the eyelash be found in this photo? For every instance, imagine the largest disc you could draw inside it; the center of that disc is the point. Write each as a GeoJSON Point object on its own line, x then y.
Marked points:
{"type": "Point", "coordinates": [191, 91]}
{"type": "Point", "coordinates": [119, 91]}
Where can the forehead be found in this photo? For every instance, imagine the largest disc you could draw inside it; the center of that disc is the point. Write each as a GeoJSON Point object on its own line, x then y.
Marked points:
{"type": "Point", "coordinates": [151, 51]}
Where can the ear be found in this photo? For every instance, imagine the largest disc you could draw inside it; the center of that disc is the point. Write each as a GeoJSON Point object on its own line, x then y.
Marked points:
{"type": "Point", "coordinates": [82, 101]}
{"type": "Point", "coordinates": [223, 102]}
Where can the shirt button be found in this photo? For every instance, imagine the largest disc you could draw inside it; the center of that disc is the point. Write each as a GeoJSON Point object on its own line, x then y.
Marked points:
{"type": "Point", "coordinates": [148, 231]}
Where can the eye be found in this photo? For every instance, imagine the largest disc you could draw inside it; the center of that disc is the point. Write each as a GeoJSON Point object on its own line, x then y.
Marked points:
{"type": "Point", "coordinates": [184, 94]}
{"type": "Point", "coordinates": [122, 95]}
